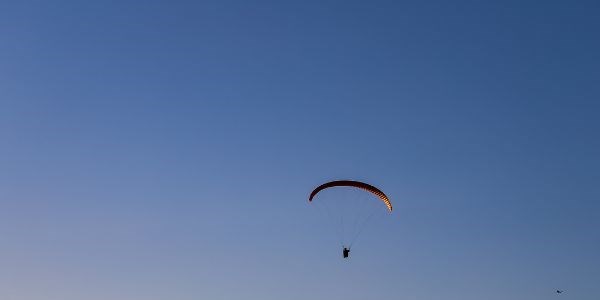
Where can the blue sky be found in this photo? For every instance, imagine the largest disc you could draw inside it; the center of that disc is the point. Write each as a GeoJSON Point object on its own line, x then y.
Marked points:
{"type": "Point", "coordinates": [165, 149]}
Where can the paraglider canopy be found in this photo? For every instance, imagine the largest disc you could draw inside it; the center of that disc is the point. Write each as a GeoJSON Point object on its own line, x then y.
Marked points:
{"type": "Point", "coordinates": [356, 184]}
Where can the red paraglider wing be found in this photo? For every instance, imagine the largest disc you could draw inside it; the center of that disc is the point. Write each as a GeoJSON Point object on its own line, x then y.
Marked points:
{"type": "Point", "coordinates": [356, 184]}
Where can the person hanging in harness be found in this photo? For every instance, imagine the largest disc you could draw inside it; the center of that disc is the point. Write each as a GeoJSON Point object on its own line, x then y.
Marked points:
{"type": "Point", "coordinates": [346, 252]}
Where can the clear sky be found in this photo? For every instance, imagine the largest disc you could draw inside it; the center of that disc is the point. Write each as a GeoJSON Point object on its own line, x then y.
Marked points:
{"type": "Point", "coordinates": [166, 149]}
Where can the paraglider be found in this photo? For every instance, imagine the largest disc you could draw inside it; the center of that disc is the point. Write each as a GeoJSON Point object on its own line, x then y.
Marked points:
{"type": "Point", "coordinates": [345, 252]}
{"type": "Point", "coordinates": [373, 193]}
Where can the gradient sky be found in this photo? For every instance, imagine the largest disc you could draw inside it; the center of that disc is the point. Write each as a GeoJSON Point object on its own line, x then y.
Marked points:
{"type": "Point", "coordinates": [165, 149]}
